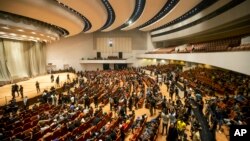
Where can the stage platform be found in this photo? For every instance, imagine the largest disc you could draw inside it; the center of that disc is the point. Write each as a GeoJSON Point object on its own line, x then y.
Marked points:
{"type": "Point", "coordinates": [29, 88]}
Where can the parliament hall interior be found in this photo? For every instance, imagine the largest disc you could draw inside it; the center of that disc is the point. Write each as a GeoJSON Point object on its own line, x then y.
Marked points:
{"type": "Point", "coordinates": [123, 70]}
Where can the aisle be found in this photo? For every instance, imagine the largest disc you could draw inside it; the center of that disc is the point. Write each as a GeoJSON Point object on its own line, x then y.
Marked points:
{"type": "Point", "coordinates": [206, 135]}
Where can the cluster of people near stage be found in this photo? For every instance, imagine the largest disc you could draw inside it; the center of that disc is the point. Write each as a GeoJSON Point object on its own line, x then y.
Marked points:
{"type": "Point", "coordinates": [15, 89]}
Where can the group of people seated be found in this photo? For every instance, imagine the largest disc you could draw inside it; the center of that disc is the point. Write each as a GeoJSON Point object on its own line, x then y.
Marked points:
{"type": "Point", "coordinates": [66, 113]}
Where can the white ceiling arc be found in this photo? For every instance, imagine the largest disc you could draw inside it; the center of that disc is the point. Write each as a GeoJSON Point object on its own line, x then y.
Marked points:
{"type": "Point", "coordinates": [93, 10]}
{"type": "Point", "coordinates": [181, 8]}
{"type": "Point", "coordinates": [152, 7]}
{"type": "Point", "coordinates": [203, 13]}
{"type": "Point", "coordinates": [123, 10]}
{"type": "Point", "coordinates": [53, 14]}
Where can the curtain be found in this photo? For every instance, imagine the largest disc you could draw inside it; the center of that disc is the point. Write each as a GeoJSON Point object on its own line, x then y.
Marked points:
{"type": "Point", "coordinates": [37, 59]}
{"type": "Point", "coordinates": [4, 73]}
{"type": "Point", "coordinates": [20, 59]}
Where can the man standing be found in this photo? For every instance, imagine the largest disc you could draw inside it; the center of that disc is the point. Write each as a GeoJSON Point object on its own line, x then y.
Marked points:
{"type": "Point", "coordinates": [68, 78]}
{"type": "Point", "coordinates": [96, 100]}
{"type": "Point", "coordinates": [111, 102]}
{"type": "Point", "coordinates": [16, 89]}
{"type": "Point", "coordinates": [37, 87]}
{"type": "Point", "coordinates": [86, 102]}
{"type": "Point", "coordinates": [13, 91]}
{"type": "Point", "coordinates": [21, 90]}
{"type": "Point", "coordinates": [25, 102]}
{"type": "Point", "coordinates": [57, 81]}
{"type": "Point", "coordinates": [52, 78]}
{"type": "Point", "coordinates": [172, 133]}
{"type": "Point", "coordinates": [165, 120]}
{"type": "Point", "coordinates": [176, 92]}
{"type": "Point", "coordinates": [181, 127]}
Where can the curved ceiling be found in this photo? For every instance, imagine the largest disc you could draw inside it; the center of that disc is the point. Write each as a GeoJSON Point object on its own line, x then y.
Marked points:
{"type": "Point", "coordinates": [180, 9]}
{"type": "Point", "coordinates": [93, 10]}
{"type": "Point", "coordinates": [148, 13]}
{"type": "Point", "coordinates": [53, 14]}
{"type": "Point", "coordinates": [123, 9]}
{"type": "Point", "coordinates": [70, 17]}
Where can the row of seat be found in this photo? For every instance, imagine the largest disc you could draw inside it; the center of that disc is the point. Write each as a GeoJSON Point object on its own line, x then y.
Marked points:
{"type": "Point", "coordinates": [138, 130]}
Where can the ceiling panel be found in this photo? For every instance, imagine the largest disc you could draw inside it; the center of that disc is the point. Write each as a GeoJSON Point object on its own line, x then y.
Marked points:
{"type": "Point", "coordinates": [46, 11]}
{"type": "Point", "coordinates": [181, 8]}
{"type": "Point", "coordinates": [93, 10]}
{"type": "Point", "coordinates": [151, 8]}
{"type": "Point", "coordinates": [62, 18]}
{"type": "Point", "coordinates": [123, 10]}
{"type": "Point", "coordinates": [203, 13]}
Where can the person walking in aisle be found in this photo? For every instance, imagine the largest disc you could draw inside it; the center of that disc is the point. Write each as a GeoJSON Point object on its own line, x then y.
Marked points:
{"type": "Point", "coordinates": [37, 87]}
{"type": "Point", "coordinates": [172, 133]}
{"type": "Point", "coordinates": [165, 120]}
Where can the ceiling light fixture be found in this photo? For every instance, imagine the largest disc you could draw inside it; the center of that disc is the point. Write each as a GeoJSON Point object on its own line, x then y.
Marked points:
{"type": "Point", "coordinates": [12, 34]}
{"type": "Point", "coordinates": [33, 32]}
{"type": "Point", "coordinates": [5, 27]}
{"type": "Point", "coordinates": [20, 30]}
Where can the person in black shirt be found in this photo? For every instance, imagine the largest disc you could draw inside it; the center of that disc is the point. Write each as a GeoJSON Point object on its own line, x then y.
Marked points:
{"type": "Point", "coordinates": [130, 103]}
{"type": "Point", "coordinates": [96, 121]}
{"type": "Point", "coordinates": [176, 91]}
{"type": "Point", "coordinates": [113, 135]}
{"type": "Point", "coordinates": [123, 136]}
{"type": "Point", "coordinates": [57, 81]}
{"type": "Point", "coordinates": [13, 91]}
{"type": "Point", "coordinates": [37, 87]}
{"type": "Point", "coordinates": [68, 78]}
{"type": "Point", "coordinates": [21, 90]}
{"type": "Point", "coordinates": [172, 133]}
{"type": "Point", "coordinates": [96, 100]}
{"type": "Point", "coordinates": [52, 78]}
{"type": "Point", "coordinates": [86, 102]}
{"type": "Point", "coordinates": [16, 89]}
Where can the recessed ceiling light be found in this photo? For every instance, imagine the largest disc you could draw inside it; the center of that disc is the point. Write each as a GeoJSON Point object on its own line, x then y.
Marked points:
{"type": "Point", "coordinates": [31, 37]}
{"type": "Point", "coordinates": [12, 34]}
{"type": "Point", "coordinates": [33, 32]}
{"type": "Point", "coordinates": [24, 36]}
{"type": "Point", "coordinates": [5, 27]}
{"type": "Point", "coordinates": [2, 32]}
{"type": "Point", "coordinates": [20, 30]}
{"type": "Point", "coordinates": [38, 38]}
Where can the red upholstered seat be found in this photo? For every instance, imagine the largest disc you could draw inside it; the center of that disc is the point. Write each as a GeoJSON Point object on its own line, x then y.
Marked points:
{"type": "Point", "coordinates": [49, 137]}
{"type": "Point", "coordinates": [17, 130]}
{"type": "Point", "coordinates": [75, 131]}
{"type": "Point", "coordinates": [27, 126]}
{"type": "Point", "coordinates": [37, 135]}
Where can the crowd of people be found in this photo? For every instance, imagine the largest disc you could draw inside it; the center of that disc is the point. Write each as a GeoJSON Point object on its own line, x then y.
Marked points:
{"type": "Point", "coordinates": [74, 111]}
